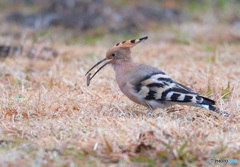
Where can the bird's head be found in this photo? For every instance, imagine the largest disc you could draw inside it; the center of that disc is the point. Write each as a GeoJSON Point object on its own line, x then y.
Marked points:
{"type": "Point", "coordinates": [119, 52]}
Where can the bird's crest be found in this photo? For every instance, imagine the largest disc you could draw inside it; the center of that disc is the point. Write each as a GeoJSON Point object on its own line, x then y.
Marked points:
{"type": "Point", "coordinates": [130, 43]}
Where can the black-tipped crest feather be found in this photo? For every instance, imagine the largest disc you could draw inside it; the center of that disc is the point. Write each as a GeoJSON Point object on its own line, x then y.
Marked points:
{"type": "Point", "coordinates": [144, 38]}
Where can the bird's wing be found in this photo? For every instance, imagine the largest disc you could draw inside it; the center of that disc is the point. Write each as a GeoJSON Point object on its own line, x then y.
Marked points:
{"type": "Point", "coordinates": [160, 87]}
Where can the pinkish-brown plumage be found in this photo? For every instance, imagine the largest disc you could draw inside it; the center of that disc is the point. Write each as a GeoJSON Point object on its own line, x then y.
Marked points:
{"type": "Point", "coordinates": [147, 85]}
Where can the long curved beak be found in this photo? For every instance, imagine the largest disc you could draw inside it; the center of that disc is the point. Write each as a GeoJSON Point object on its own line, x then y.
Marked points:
{"type": "Point", "coordinates": [89, 74]}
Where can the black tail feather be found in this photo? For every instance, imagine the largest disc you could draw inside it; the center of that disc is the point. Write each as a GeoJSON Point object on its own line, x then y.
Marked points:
{"type": "Point", "coordinates": [209, 104]}
{"type": "Point", "coordinates": [208, 101]}
{"type": "Point", "coordinates": [217, 110]}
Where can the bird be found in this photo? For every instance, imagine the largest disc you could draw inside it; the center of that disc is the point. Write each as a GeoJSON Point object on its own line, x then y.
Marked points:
{"type": "Point", "coordinates": [147, 85]}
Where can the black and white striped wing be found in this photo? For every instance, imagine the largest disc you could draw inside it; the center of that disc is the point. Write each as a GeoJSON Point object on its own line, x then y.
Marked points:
{"type": "Point", "coordinates": [160, 87]}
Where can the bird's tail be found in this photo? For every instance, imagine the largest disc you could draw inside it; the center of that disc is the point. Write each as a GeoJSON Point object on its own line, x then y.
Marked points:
{"type": "Point", "coordinates": [210, 105]}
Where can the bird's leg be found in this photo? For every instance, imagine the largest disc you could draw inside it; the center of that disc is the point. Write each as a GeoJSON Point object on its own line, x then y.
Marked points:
{"type": "Point", "coordinates": [171, 109]}
{"type": "Point", "coordinates": [149, 106]}
{"type": "Point", "coordinates": [151, 110]}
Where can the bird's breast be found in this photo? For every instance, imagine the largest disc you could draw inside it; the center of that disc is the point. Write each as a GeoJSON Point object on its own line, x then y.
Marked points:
{"type": "Point", "coordinates": [121, 81]}
{"type": "Point", "coordinates": [128, 90]}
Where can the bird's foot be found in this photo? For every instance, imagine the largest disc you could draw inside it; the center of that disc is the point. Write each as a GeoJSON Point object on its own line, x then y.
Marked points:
{"type": "Point", "coordinates": [171, 109]}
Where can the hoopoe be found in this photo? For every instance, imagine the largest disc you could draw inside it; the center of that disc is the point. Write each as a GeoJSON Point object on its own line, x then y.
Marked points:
{"type": "Point", "coordinates": [147, 85]}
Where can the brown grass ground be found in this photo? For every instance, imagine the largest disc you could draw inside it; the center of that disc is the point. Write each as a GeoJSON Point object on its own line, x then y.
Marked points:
{"type": "Point", "coordinates": [49, 117]}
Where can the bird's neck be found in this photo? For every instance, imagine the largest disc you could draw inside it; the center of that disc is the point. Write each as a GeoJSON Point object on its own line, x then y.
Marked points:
{"type": "Point", "coordinates": [122, 70]}
{"type": "Point", "coordinates": [123, 65]}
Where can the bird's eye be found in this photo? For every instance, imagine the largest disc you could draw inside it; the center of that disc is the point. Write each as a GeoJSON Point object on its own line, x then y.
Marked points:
{"type": "Point", "coordinates": [113, 54]}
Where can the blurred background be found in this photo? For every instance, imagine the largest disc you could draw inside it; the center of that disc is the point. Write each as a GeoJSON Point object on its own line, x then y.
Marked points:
{"type": "Point", "coordinates": [86, 22]}
{"type": "Point", "coordinates": [49, 117]}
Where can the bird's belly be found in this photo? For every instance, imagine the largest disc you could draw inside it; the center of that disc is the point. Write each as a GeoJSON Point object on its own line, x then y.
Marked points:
{"type": "Point", "coordinates": [128, 91]}
{"type": "Point", "coordinates": [157, 104]}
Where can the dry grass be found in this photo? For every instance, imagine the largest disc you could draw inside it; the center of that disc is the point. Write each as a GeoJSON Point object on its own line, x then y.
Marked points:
{"type": "Point", "coordinates": [49, 117]}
